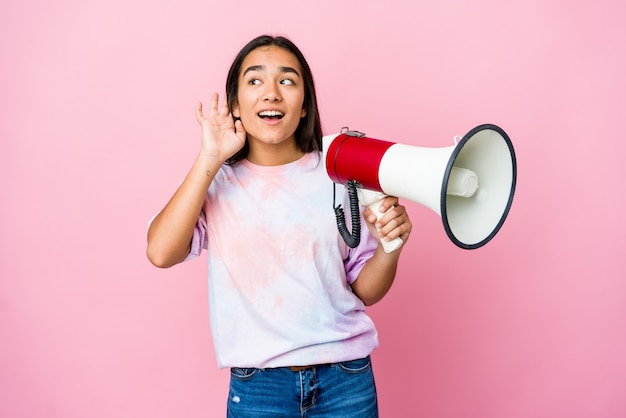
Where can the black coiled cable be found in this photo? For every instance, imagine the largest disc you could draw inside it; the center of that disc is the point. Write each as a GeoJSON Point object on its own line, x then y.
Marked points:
{"type": "Point", "coordinates": [351, 239]}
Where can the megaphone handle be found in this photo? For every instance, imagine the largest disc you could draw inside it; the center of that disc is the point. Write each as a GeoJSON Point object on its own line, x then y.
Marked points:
{"type": "Point", "coordinates": [373, 200]}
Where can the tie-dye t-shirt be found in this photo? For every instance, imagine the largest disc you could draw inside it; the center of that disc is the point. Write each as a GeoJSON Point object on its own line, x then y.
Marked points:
{"type": "Point", "coordinates": [279, 272]}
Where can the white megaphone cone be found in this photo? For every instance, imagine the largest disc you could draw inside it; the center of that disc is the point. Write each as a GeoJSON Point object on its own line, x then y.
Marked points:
{"type": "Point", "coordinates": [470, 184]}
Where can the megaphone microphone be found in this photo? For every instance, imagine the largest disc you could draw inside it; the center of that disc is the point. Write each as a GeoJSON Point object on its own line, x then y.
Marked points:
{"type": "Point", "coordinates": [470, 185]}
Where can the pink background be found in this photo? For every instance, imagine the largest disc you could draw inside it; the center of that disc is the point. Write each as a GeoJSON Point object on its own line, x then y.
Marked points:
{"type": "Point", "coordinates": [97, 128]}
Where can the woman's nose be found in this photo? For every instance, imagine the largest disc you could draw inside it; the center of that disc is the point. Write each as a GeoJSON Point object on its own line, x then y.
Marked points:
{"type": "Point", "coordinates": [271, 93]}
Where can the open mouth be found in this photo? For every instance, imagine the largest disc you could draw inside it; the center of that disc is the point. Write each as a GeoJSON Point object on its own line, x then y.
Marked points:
{"type": "Point", "coordinates": [271, 114]}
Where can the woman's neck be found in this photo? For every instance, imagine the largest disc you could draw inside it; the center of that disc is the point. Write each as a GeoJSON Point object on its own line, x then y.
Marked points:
{"type": "Point", "coordinates": [274, 154]}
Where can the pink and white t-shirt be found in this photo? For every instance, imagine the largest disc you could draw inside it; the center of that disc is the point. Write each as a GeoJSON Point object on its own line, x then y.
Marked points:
{"type": "Point", "coordinates": [279, 272]}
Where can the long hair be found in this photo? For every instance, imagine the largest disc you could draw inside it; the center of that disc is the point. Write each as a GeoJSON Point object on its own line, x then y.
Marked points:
{"type": "Point", "coordinates": [309, 131]}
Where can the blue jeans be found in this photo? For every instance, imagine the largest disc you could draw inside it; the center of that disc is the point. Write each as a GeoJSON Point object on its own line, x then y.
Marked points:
{"type": "Point", "coordinates": [340, 390]}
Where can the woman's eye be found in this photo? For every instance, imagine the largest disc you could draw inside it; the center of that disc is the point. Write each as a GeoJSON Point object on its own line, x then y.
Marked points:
{"type": "Point", "coordinates": [287, 82]}
{"type": "Point", "coordinates": [254, 81]}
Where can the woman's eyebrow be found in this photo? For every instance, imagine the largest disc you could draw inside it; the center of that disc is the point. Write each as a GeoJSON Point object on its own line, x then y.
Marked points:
{"type": "Point", "coordinates": [281, 69]}
{"type": "Point", "coordinates": [289, 70]}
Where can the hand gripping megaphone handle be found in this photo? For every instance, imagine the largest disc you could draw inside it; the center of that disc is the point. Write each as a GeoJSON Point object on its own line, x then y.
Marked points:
{"type": "Point", "coordinates": [372, 200]}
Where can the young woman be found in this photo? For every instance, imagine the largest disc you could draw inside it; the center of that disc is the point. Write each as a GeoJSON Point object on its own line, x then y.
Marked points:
{"type": "Point", "coordinates": [287, 296]}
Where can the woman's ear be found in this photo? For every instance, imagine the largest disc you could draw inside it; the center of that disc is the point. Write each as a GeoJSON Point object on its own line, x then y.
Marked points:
{"type": "Point", "coordinates": [235, 110]}
{"type": "Point", "coordinates": [303, 113]}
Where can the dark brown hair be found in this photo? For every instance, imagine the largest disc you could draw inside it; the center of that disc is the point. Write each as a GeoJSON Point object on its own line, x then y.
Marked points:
{"type": "Point", "coordinates": [309, 130]}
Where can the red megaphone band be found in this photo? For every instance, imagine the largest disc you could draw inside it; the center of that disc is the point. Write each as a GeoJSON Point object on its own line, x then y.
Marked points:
{"type": "Point", "coordinates": [356, 158]}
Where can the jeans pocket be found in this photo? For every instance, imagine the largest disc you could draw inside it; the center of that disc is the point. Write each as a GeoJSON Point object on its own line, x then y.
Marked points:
{"type": "Point", "coordinates": [356, 366]}
{"type": "Point", "coordinates": [241, 373]}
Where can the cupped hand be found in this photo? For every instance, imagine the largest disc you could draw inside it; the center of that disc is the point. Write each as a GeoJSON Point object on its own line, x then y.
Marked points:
{"type": "Point", "coordinates": [222, 137]}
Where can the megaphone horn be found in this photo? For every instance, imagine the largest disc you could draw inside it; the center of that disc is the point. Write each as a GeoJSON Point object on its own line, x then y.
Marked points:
{"type": "Point", "coordinates": [470, 184]}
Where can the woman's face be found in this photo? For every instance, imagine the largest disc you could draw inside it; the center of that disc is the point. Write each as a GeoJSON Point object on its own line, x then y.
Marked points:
{"type": "Point", "coordinates": [271, 97]}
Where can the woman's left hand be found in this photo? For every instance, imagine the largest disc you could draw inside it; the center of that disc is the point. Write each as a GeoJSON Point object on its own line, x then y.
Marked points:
{"type": "Point", "coordinates": [394, 223]}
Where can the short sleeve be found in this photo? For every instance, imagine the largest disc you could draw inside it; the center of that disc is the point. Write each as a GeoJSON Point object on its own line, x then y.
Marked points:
{"type": "Point", "coordinates": [358, 256]}
{"type": "Point", "coordinates": [199, 239]}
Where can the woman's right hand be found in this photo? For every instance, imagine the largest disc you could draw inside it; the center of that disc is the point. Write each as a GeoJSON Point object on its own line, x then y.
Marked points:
{"type": "Point", "coordinates": [171, 231]}
{"type": "Point", "coordinates": [222, 137]}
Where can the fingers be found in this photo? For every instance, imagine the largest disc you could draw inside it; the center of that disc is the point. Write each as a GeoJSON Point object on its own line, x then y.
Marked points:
{"type": "Point", "coordinates": [239, 126]}
{"type": "Point", "coordinates": [225, 111]}
{"type": "Point", "coordinates": [214, 109]}
{"type": "Point", "coordinates": [394, 223]}
{"type": "Point", "coordinates": [388, 203]}
{"type": "Point", "coordinates": [239, 129]}
{"type": "Point", "coordinates": [199, 114]}
{"type": "Point", "coordinates": [214, 114]}
{"type": "Point", "coordinates": [214, 103]}
{"type": "Point", "coordinates": [221, 111]}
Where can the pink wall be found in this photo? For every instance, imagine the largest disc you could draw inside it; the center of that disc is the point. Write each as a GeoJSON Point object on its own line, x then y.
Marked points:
{"type": "Point", "coordinates": [97, 127]}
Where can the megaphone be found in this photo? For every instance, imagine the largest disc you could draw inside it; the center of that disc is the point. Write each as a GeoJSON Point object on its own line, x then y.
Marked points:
{"type": "Point", "coordinates": [470, 184]}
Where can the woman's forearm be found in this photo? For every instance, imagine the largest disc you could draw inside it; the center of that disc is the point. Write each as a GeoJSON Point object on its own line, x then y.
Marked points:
{"type": "Point", "coordinates": [170, 233]}
{"type": "Point", "coordinates": [376, 277]}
